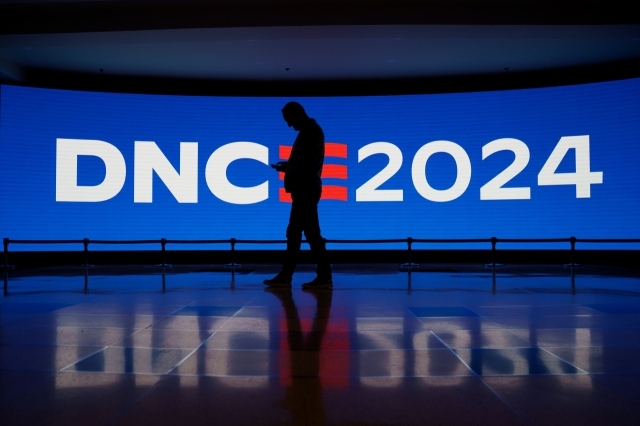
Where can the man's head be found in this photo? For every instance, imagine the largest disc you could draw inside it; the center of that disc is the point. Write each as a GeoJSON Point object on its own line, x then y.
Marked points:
{"type": "Point", "coordinates": [294, 114]}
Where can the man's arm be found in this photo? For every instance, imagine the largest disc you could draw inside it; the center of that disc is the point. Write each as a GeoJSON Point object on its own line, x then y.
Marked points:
{"type": "Point", "coordinates": [307, 151]}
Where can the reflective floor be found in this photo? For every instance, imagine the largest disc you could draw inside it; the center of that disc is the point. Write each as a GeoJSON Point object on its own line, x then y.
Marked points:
{"type": "Point", "coordinates": [445, 345]}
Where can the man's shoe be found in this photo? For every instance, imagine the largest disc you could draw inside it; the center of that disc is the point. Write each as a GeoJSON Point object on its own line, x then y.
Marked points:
{"type": "Point", "coordinates": [278, 281]}
{"type": "Point", "coordinates": [318, 282]}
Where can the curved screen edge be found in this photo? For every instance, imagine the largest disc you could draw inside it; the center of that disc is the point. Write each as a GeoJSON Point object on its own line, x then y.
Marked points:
{"type": "Point", "coordinates": [533, 163]}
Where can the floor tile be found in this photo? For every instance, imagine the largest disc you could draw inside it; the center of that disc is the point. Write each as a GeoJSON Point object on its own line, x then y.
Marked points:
{"type": "Point", "coordinates": [91, 320]}
{"type": "Point", "coordinates": [9, 319]}
{"type": "Point", "coordinates": [433, 362]}
{"type": "Point", "coordinates": [356, 356]}
{"type": "Point", "coordinates": [208, 311]}
{"type": "Point", "coordinates": [490, 338]}
{"type": "Point", "coordinates": [132, 360]}
{"type": "Point", "coordinates": [521, 361]}
{"type": "Point", "coordinates": [300, 312]}
{"type": "Point", "coordinates": [36, 357]}
{"type": "Point", "coordinates": [198, 401]}
{"type": "Point", "coordinates": [231, 363]}
{"type": "Point", "coordinates": [566, 400]}
{"type": "Point", "coordinates": [442, 311]}
{"type": "Point", "coordinates": [387, 324]}
{"type": "Point", "coordinates": [615, 308]}
{"type": "Point", "coordinates": [459, 323]}
{"type": "Point", "coordinates": [14, 381]}
{"type": "Point", "coordinates": [63, 335]}
{"type": "Point", "coordinates": [379, 312]}
{"type": "Point", "coordinates": [381, 401]}
{"type": "Point", "coordinates": [121, 309]}
{"type": "Point", "coordinates": [31, 307]}
{"type": "Point", "coordinates": [376, 340]}
{"type": "Point", "coordinates": [601, 360]}
{"type": "Point", "coordinates": [633, 317]}
{"type": "Point", "coordinates": [232, 299]}
{"type": "Point", "coordinates": [295, 340]}
{"type": "Point", "coordinates": [74, 399]}
{"type": "Point", "coordinates": [626, 383]}
{"type": "Point", "coordinates": [535, 310]}
{"type": "Point", "coordinates": [160, 338]}
{"type": "Point", "coordinates": [267, 363]}
{"type": "Point", "coordinates": [603, 321]}
{"type": "Point", "coordinates": [178, 322]}
{"type": "Point", "coordinates": [599, 337]}
{"type": "Point", "coordinates": [327, 341]}
{"type": "Point", "coordinates": [275, 324]}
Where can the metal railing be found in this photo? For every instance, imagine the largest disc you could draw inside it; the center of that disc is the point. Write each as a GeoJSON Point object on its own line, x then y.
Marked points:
{"type": "Point", "coordinates": [233, 242]}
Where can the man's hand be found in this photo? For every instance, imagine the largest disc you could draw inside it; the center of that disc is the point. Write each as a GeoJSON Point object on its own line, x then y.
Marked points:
{"type": "Point", "coordinates": [280, 166]}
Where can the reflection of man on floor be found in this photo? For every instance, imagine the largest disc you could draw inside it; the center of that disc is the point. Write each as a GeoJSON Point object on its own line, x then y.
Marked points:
{"type": "Point", "coordinates": [303, 398]}
{"type": "Point", "coordinates": [302, 179]}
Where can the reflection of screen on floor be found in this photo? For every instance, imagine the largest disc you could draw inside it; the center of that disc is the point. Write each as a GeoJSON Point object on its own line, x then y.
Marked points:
{"type": "Point", "coordinates": [536, 163]}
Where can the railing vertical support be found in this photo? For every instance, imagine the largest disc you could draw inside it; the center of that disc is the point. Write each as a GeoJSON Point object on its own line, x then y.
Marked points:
{"type": "Point", "coordinates": [494, 241]}
{"type": "Point", "coordinates": [409, 243]}
{"type": "Point", "coordinates": [493, 263]}
{"type": "Point", "coordinates": [233, 258]}
{"type": "Point", "coordinates": [572, 253]}
{"type": "Point", "coordinates": [86, 252]}
{"type": "Point", "coordinates": [409, 264]}
{"type": "Point", "coordinates": [5, 243]}
{"type": "Point", "coordinates": [163, 243]}
{"type": "Point", "coordinates": [163, 249]}
{"type": "Point", "coordinates": [573, 250]}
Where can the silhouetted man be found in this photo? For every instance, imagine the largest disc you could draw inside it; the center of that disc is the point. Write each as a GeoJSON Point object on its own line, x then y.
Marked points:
{"type": "Point", "coordinates": [302, 180]}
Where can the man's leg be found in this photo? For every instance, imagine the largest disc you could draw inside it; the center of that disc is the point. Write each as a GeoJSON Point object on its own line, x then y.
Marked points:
{"type": "Point", "coordinates": [316, 242]}
{"type": "Point", "coordinates": [294, 238]}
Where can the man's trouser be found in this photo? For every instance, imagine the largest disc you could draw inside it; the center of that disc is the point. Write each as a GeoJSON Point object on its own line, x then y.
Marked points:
{"type": "Point", "coordinates": [304, 218]}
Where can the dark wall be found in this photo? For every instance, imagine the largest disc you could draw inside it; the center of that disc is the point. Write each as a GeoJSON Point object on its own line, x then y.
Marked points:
{"type": "Point", "coordinates": [130, 15]}
{"type": "Point", "coordinates": [501, 81]}
{"type": "Point", "coordinates": [44, 17]}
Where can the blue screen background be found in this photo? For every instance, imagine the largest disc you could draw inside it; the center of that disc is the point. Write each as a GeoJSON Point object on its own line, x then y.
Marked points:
{"type": "Point", "coordinates": [31, 119]}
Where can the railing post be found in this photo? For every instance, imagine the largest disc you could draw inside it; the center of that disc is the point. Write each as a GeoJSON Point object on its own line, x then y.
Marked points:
{"type": "Point", "coordinates": [163, 243]}
{"type": "Point", "coordinates": [572, 253]}
{"type": "Point", "coordinates": [573, 250]}
{"type": "Point", "coordinates": [233, 258]}
{"type": "Point", "coordinates": [409, 264]}
{"type": "Point", "coordinates": [494, 241]}
{"type": "Point", "coordinates": [86, 252]}
{"type": "Point", "coordinates": [163, 249]}
{"type": "Point", "coordinates": [493, 263]}
{"type": "Point", "coordinates": [5, 243]}
{"type": "Point", "coordinates": [409, 242]}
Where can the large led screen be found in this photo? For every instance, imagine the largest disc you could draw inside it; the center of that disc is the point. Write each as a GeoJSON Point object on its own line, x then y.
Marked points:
{"type": "Point", "coordinates": [536, 163]}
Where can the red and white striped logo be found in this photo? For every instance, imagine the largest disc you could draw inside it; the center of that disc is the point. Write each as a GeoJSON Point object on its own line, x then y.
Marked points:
{"type": "Point", "coordinates": [329, 171]}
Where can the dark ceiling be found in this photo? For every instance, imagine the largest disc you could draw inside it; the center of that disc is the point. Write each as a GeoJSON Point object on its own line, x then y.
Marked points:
{"type": "Point", "coordinates": [316, 46]}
